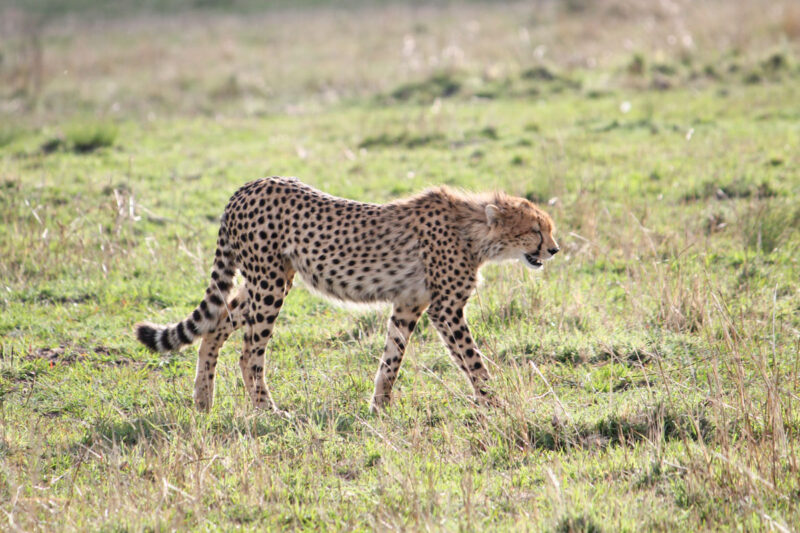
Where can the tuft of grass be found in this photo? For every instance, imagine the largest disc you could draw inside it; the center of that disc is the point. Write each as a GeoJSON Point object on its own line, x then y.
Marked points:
{"type": "Point", "coordinates": [87, 137]}
{"type": "Point", "coordinates": [540, 73]}
{"type": "Point", "coordinates": [636, 65]}
{"type": "Point", "coordinates": [571, 523]}
{"type": "Point", "coordinates": [734, 189]}
{"type": "Point", "coordinates": [439, 85]}
{"type": "Point", "coordinates": [401, 140]}
{"type": "Point", "coordinates": [53, 144]}
{"type": "Point", "coordinates": [766, 225]}
{"type": "Point", "coordinates": [489, 132]}
{"type": "Point", "coordinates": [776, 63]}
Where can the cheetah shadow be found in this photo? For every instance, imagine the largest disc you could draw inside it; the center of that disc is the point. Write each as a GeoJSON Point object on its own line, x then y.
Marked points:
{"type": "Point", "coordinates": [159, 428]}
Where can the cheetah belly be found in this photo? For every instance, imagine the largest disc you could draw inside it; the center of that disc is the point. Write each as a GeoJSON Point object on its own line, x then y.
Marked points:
{"type": "Point", "coordinates": [399, 284]}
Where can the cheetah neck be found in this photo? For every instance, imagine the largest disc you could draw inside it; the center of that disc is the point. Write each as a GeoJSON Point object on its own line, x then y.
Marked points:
{"type": "Point", "coordinates": [482, 242]}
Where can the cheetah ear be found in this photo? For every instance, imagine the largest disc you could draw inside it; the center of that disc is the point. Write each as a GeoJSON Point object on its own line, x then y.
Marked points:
{"type": "Point", "coordinates": [492, 214]}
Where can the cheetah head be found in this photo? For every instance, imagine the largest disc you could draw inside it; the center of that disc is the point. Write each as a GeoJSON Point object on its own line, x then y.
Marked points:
{"type": "Point", "coordinates": [520, 230]}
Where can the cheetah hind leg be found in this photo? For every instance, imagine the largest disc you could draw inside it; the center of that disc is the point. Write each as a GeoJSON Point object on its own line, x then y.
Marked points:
{"type": "Point", "coordinates": [231, 318]}
{"type": "Point", "coordinates": [265, 301]}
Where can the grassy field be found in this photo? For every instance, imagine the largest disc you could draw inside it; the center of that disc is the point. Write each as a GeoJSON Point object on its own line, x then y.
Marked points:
{"type": "Point", "coordinates": [650, 374]}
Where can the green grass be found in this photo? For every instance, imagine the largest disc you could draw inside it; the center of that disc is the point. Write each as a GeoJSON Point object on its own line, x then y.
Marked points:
{"type": "Point", "coordinates": [649, 373]}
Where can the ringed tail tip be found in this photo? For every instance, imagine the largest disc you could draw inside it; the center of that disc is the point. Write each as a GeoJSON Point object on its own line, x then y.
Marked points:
{"type": "Point", "coordinates": [147, 335]}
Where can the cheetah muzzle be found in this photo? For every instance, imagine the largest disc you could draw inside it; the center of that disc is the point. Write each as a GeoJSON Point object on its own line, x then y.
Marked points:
{"type": "Point", "coordinates": [533, 261]}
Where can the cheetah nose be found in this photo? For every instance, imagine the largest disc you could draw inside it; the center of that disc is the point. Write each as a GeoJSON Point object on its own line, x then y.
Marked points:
{"type": "Point", "coordinates": [553, 251]}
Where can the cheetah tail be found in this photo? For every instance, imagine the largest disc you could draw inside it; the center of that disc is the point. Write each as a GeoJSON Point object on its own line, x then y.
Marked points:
{"type": "Point", "coordinates": [204, 318]}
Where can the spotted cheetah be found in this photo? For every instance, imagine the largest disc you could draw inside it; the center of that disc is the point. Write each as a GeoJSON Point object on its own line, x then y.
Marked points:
{"type": "Point", "coordinates": [418, 253]}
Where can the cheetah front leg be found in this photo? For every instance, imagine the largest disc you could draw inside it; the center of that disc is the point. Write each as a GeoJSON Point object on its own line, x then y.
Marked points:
{"type": "Point", "coordinates": [401, 325]}
{"type": "Point", "coordinates": [231, 319]}
{"type": "Point", "coordinates": [448, 319]}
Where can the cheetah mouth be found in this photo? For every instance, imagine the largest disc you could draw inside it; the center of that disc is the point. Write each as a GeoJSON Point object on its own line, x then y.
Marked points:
{"type": "Point", "coordinates": [533, 261]}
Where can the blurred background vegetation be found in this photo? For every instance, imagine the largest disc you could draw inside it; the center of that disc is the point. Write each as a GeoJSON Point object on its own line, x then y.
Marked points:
{"type": "Point", "coordinates": [65, 57]}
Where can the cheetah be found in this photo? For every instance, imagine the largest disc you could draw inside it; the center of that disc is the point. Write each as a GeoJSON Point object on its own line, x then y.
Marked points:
{"type": "Point", "coordinates": [417, 253]}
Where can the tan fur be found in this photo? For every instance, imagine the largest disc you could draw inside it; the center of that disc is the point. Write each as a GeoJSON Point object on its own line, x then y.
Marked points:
{"type": "Point", "coordinates": [419, 253]}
